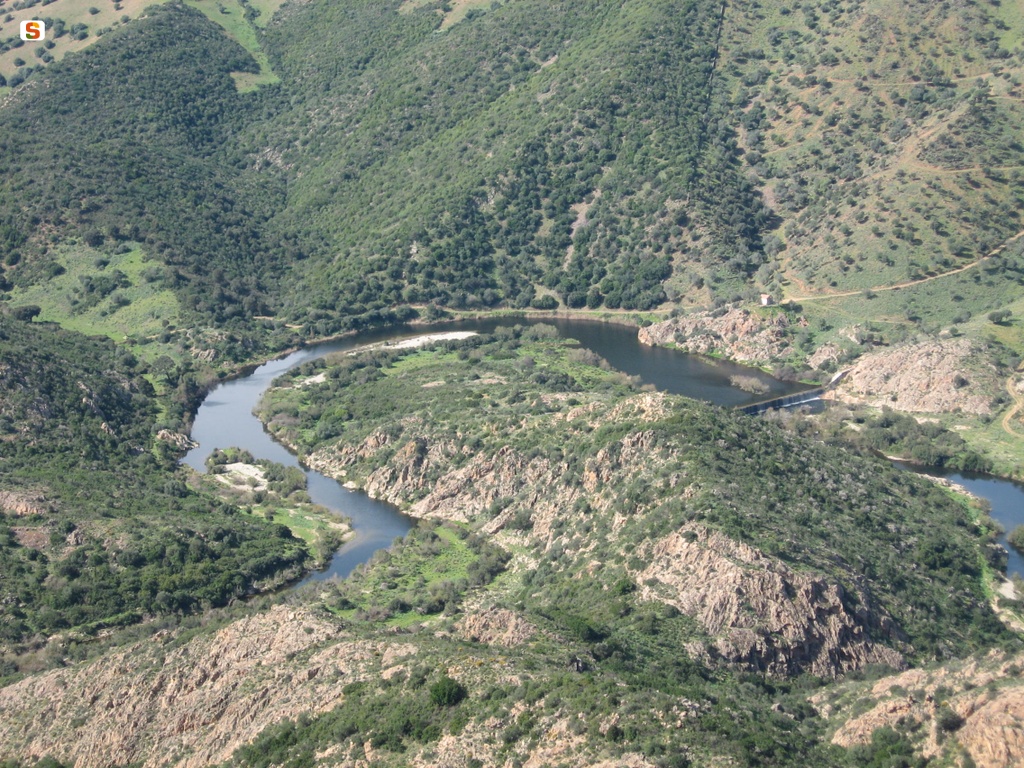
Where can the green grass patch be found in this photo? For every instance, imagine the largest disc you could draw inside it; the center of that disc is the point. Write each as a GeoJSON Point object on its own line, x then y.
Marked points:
{"type": "Point", "coordinates": [462, 8]}
{"type": "Point", "coordinates": [302, 526]}
{"type": "Point", "coordinates": [426, 573]}
{"type": "Point", "coordinates": [962, 301]}
{"type": "Point", "coordinates": [990, 439]}
{"type": "Point", "coordinates": [418, 361]}
{"type": "Point", "coordinates": [411, 5]}
{"type": "Point", "coordinates": [120, 296]}
{"type": "Point", "coordinates": [1011, 14]}
{"type": "Point", "coordinates": [265, 10]}
{"type": "Point", "coordinates": [230, 16]}
{"type": "Point", "coordinates": [247, 82]}
{"type": "Point", "coordinates": [276, 493]}
{"type": "Point", "coordinates": [454, 560]}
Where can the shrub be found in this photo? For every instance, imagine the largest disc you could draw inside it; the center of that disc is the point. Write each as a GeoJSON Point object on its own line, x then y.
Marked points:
{"type": "Point", "coordinates": [447, 692]}
{"type": "Point", "coordinates": [1016, 538]}
{"type": "Point", "coordinates": [26, 313]}
{"type": "Point", "coordinates": [948, 720]}
{"type": "Point", "coordinates": [1000, 316]}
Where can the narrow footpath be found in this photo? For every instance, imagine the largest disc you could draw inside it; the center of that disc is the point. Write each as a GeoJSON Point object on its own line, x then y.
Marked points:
{"type": "Point", "coordinates": [909, 283]}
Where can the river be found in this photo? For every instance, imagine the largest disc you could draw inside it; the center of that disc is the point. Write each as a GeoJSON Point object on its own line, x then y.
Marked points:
{"type": "Point", "coordinates": [1005, 496]}
{"type": "Point", "coordinates": [225, 419]}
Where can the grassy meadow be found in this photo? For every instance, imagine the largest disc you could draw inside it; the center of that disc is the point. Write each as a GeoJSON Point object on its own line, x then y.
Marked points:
{"type": "Point", "coordinates": [118, 295]}
{"type": "Point", "coordinates": [86, 21]}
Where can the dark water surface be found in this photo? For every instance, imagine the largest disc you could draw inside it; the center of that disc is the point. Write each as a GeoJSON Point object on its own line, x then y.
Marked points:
{"type": "Point", "coordinates": [225, 419]}
{"type": "Point", "coordinates": [1005, 496]}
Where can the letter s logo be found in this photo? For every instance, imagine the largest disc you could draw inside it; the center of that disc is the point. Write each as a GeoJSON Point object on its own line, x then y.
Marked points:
{"type": "Point", "coordinates": [33, 30]}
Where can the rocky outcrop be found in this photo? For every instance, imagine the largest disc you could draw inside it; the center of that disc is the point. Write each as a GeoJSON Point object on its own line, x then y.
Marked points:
{"type": "Point", "coordinates": [761, 614]}
{"type": "Point", "coordinates": [993, 730]}
{"type": "Point", "coordinates": [420, 478]}
{"type": "Point", "coordinates": [739, 334]}
{"type": "Point", "coordinates": [649, 406]}
{"type": "Point", "coordinates": [190, 705]}
{"type": "Point", "coordinates": [933, 376]}
{"type": "Point", "coordinates": [171, 702]}
{"type": "Point", "coordinates": [496, 626]}
{"type": "Point", "coordinates": [827, 353]}
{"type": "Point", "coordinates": [424, 477]}
{"type": "Point", "coordinates": [178, 440]}
{"type": "Point", "coordinates": [33, 538]}
{"type": "Point", "coordinates": [977, 705]}
{"type": "Point", "coordinates": [23, 504]}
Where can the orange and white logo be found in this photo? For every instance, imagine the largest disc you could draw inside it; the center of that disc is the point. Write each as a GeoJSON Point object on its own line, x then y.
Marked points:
{"type": "Point", "coordinates": [33, 30]}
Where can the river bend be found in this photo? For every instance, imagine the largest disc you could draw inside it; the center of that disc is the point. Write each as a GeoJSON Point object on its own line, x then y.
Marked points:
{"type": "Point", "coordinates": [225, 419]}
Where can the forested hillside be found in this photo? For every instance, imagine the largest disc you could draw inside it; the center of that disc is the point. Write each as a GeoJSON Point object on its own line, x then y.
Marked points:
{"type": "Point", "coordinates": [129, 141]}
{"type": "Point", "coordinates": [594, 154]}
{"type": "Point", "coordinates": [620, 473]}
{"type": "Point", "coordinates": [96, 526]}
{"type": "Point", "coordinates": [885, 136]}
{"type": "Point", "coordinates": [532, 149]}
{"type": "Point", "coordinates": [606, 577]}
{"type": "Point", "coordinates": [609, 572]}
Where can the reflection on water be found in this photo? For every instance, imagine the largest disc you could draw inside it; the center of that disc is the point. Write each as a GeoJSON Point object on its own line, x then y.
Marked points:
{"type": "Point", "coordinates": [225, 419]}
{"type": "Point", "coordinates": [1005, 496]}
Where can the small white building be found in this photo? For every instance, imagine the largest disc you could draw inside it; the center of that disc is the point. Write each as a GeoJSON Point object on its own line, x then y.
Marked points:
{"type": "Point", "coordinates": [767, 300]}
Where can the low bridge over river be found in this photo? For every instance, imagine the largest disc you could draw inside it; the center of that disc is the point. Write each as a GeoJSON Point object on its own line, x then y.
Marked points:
{"type": "Point", "coordinates": [795, 399]}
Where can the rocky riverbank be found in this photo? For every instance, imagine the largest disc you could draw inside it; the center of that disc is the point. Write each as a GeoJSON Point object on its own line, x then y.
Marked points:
{"type": "Point", "coordinates": [929, 376]}
{"type": "Point", "coordinates": [736, 333]}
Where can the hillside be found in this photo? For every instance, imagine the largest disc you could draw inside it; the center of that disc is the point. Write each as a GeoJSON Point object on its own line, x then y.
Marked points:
{"type": "Point", "coordinates": [605, 156]}
{"type": "Point", "coordinates": [604, 574]}
{"type": "Point", "coordinates": [592, 555]}
{"type": "Point", "coordinates": [98, 528]}
{"type": "Point", "coordinates": [270, 174]}
{"type": "Point", "coordinates": [73, 25]}
{"type": "Point", "coordinates": [645, 474]}
{"type": "Point", "coordinates": [884, 135]}
{"type": "Point", "coordinates": [652, 156]}
{"type": "Point", "coordinates": [594, 155]}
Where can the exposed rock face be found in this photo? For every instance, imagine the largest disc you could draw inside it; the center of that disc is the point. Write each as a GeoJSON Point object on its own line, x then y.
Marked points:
{"type": "Point", "coordinates": [764, 615]}
{"type": "Point", "coordinates": [738, 333]}
{"type": "Point", "coordinates": [497, 626]}
{"type": "Point", "coordinates": [163, 702]}
{"type": "Point", "coordinates": [178, 440]}
{"type": "Point", "coordinates": [420, 475]}
{"type": "Point", "coordinates": [206, 355]}
{"type": "Point", "coordinates": [928, 377]}
{"type": "Point", "coordinates": [191, 706]}
{"type": "Point", "coordinates": [34, 538]}
{"type": "Point", "coordinates": [992, 729]}
{"type": "Point", "coordinates": [408, 476]}
{"type": "Point", "coordinates": [824, 354]}
{"type": "Point", "coordinates": [23, 504]}
{"type": "Point", "coordinates": [993, 733]}
{"type": "Point", "coordinates": [760, 614]}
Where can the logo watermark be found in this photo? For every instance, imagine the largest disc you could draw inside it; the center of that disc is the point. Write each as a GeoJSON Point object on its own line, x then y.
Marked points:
{"type": "Point", "coordinates": [33, 30]}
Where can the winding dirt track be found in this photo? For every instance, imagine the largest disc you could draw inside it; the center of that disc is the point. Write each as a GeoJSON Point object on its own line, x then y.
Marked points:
{"type": "Point", "coordinates": [910, 283]}
{"type": "Point", "coordinates": [1018, 403]}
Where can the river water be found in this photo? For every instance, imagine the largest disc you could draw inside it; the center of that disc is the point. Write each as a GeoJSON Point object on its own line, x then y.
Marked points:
{"type": "Point", "coordinates": [225, 419]}
{"type": "Point", "coordinates": [1005, 496]}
